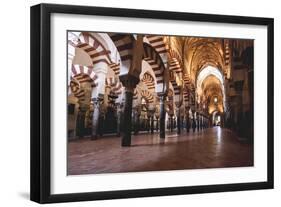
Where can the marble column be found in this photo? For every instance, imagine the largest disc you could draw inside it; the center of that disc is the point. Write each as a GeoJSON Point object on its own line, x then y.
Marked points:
{"type": "Point", "coordinates": [162, 116]}
{"type": "Point", "coordinates": [168, 123]}
{"type": "Point", "coordinates": [197, 121]}
{"type": "Point", "coordinates": [95, 118]}
{"type": "Point", "coordinates": [136, 121]}
{"type": "Point", "coordinates": [193, 122]}
{"type": "Point", "coordinates": [157, 123]}
{"type": "Point", "coordinates": [171, 123]}
{"type": "Point", "coordinates": [101, 122]}
{"type": "Point", "coordinates": [152, 124]}
{"type": "Point", "coordinates": [147, 123]}
{"type": "Point", "coordinates": [129, 82]}
{"type": "Point", "coordinates": [187, 123]}
{"type": "Point", "coordinates": [119, 118]}
{"type": "Point", "coordinates": [133, 120]}
{"type": "Point", "coordinates": [127, 121]}
{"type": "Point", "coordinates": [80, 122]}
{"type": "Point", "coordinates": [178, 121]}
{"type": "Point", "coordinates": [204, 125]}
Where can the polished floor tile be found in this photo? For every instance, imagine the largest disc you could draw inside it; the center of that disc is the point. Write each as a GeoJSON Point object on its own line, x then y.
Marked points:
{"type": "Point", "coordinates": [211, 148]}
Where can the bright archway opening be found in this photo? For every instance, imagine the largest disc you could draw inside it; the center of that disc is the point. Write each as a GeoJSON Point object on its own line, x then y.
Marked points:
{"type": "Point", "coordinates": [210, 90]}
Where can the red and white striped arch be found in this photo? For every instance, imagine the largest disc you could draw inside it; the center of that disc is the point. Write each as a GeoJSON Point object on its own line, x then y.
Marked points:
{"type": "Point", "coordinates": [186, 96]}
{"type": "Point", "coordinates": [84, 74]}
{"type": "Point", "coordinates": [115, 67]}
{"type": "Point", "coordinates": [187, 89]}
{"type": "Point", "coordinates": [158, 43]}
{"type": "Point", "coordinates": [174, 83]}
{"type": "Point", "coordinates": [187, 81]}
{"type": "Point", "coordinates": [77, 91]}
{"type": "Point", "coordinates": [152, 57]}
{"type": "Point", "coordinates": [227, 58]}
{"type": "Point", "coordinates": [97, 52]}
{"type": "Point", "coordinates": [148, 80]}
{"type": "Point", "coordinates": [176, 87]}
{"type": "Point", "coordinates": [175, 66]}
{"type": "Point", "coordinates": [174, 54]}
{"type": "Point", "coordinates": [147, 96]}
{"type": "Point", "coordinates": [124, 44]}
{"type": "Point", "coordinates": [114, 84]}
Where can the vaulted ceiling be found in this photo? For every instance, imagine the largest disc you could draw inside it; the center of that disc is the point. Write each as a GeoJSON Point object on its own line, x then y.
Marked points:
{"type": "Point", "coordinates": [197, 54]}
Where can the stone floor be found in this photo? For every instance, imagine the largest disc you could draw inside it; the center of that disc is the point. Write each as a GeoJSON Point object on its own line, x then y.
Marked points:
{"type": "Point", "coordinates": [210, 148]}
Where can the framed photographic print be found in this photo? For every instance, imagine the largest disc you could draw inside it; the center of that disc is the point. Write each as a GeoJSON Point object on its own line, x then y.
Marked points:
{"type": "Point", "coordinates": [133, 103]}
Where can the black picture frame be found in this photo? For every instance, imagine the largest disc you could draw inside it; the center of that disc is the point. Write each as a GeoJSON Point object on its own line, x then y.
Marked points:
{"type": "Point", "coordinates": [41, 96]}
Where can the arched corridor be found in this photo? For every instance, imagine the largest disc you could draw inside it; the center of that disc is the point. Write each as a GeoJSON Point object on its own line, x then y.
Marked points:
{"type": "Point", "coordinates": [150, 102]}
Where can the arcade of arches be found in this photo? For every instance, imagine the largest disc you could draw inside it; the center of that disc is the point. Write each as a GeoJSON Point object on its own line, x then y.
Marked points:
{"type": "Point", "coordinates": [150, 102]}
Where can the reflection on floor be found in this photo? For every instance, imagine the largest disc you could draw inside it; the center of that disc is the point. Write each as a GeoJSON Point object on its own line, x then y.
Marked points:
{"type": "Point", "coordinates": [211, 148]}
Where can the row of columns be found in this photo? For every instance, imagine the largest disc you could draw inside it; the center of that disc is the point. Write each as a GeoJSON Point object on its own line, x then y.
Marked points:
{"type": "Point", "coordinates": [126, 123]}
{"type": "Point", "coordinates": [124, 116]}
{"type": "Point", "coordinates": [173, 122]}
{"type": "Point", "coordinates": [130, 82]}
{"type": "Point", "coordinates": [149, 124]}
{"type": "Point", "coordinates": [188, 123]}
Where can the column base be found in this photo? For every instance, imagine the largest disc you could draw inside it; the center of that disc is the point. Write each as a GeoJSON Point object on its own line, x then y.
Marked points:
{"type": "Point", "coordinates": [126, 142]}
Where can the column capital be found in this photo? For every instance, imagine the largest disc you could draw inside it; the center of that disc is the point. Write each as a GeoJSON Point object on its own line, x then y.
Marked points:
{"type": "Point", "coordinates": [97, 102]}
{"type": "Point", "coordinates": [98, 99]}
{"type": "Point", "coordinates": [83, 107]}
{"type": "Point", "coordinates": [187, 108]}
{"type": "Point", "coordinates": [162, 95]}
{"type": "Point", "coordinates": [178, 104]}
{"type": "Point", "coordinates": [129, 82]}
{"type": "Point", "coordinates": [119, 105]}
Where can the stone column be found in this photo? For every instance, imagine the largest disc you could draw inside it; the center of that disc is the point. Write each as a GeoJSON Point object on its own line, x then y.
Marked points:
{"type": "Point", "coordinates": [101, 121]}
{"type": "Point", "coordinates": [119, 118]}
{"type": "Point", "coordinates": [148, 123]}
{"type": "Point", "coordinates": [136, 121]}
{"type": "Point", "coordinates": [152, 121]}
{"type": "Point", "coordinates": [168, 123]}
{"type": "Point", "coordinates": [127, 121]}
{"type": "Point", "coordinates": [80, 122]}
{"type": "Point", "coordinates": [187, 122]}
{"type": "Point", "coordinates": [95, 118]}
{"type": "Point", "coordinates": [204, 123]}
{"type": "Point", "coordinates": [178, 121]}
{"type": "Point", "coordinates": [157, 123]}
{"type": "Point", "coordinates": [162, 116]}
{"type": "Point", "coordinates": [171, 123]}
{"type": "Point", "coordinates": [193, 121]}
{"type": "Point", "coordinates": [129, 82]}
{"type": "Point", "coordinates": [197, 121]}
